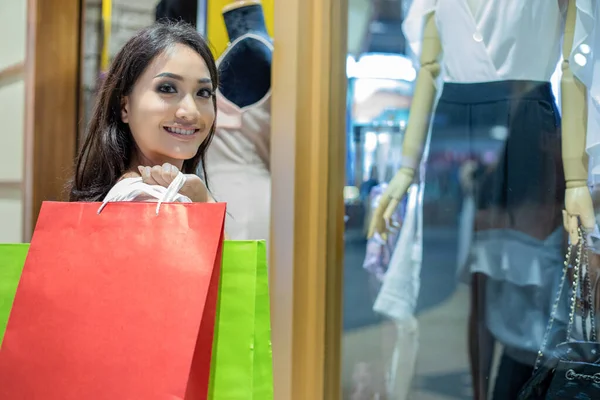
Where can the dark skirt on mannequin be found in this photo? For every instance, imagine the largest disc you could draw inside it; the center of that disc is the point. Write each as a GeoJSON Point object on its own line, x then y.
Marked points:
{"type": "Point", "coordinates": [511, 225]}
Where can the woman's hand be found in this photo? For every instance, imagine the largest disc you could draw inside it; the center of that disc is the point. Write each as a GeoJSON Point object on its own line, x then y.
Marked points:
{"type": "Point", "coordinates": [163, 175]}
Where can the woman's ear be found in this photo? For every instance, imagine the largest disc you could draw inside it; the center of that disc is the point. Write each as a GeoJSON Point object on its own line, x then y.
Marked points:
{"type": "Point", "coordinates": [125, 109]}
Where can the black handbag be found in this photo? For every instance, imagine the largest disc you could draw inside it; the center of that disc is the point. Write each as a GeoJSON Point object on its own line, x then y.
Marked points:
{"type": "Point", "coordinates": [572, 370]}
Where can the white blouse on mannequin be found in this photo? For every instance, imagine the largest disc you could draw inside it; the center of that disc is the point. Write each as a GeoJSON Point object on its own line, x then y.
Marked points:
{"type": "Point", "coordinates": [502, 39]}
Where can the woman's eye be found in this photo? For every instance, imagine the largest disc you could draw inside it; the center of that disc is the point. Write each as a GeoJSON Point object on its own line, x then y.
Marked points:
{"type": "Point", "coordinates": [205, 93]}
{"type": "Point", "coordinates": [166, 88]}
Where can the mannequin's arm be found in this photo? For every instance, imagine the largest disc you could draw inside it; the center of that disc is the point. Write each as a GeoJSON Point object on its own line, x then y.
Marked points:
{"type": "Point", "coordinates": [416, 132]}
{"type": "Point", "coordinates": [424, 96]}
{"type": "Point", "coordinates": [578, 201]}
{"type": "Point", "coordinates": [574, 106]}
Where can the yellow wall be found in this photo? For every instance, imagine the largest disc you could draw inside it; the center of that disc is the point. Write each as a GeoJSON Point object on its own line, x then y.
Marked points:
{"type": "Point", "coordinates": [215, 27]}
{"type": "Point", "coordinates": [13, 18]}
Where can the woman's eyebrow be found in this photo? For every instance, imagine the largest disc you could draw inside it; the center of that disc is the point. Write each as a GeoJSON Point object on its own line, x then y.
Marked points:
{"type": "Point", "coordinates": [169, 75]}
{"type": "Point", "coordinates": [179, 77]}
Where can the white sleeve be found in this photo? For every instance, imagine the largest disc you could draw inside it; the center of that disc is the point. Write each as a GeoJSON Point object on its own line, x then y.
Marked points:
{"type": "Point", "coordinates": [414, 23]}
{"type": "Point", "coordinates": [584, 61]}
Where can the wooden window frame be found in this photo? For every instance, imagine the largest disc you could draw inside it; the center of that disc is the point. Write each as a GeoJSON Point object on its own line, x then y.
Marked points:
{"type": "Point", "coordinates": [52, 94]}
{"type": "Point", "coordinates": [307, 208]}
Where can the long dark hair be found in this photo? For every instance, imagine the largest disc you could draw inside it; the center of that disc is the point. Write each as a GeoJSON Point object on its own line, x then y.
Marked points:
{"type": "Point", "coordinates": [108, 148]}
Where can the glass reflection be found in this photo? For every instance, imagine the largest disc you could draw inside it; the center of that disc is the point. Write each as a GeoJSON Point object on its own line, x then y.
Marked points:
{"type": "Point", "coordinates": [423, 317]}
{"type": "Point", "coordinates": [379, 92]}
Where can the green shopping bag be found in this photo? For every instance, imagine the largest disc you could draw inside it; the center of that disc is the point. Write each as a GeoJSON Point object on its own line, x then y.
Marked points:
{"type": "Point", "coordinates": [242, 362]}
{"type": "Point", "coordinates": [12, 260]}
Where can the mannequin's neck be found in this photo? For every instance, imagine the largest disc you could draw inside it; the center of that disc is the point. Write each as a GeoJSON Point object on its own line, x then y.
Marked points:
{"type": "Point", "coordinates": [474, 5]}
{"type": "Point", "coordinates": [243, 20]}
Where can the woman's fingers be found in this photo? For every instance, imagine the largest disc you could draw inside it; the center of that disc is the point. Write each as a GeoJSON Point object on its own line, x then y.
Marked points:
{"type": "Point", "coordinates": [157, 175]}
{"type": "Point", "coordinates": [146, 173]}
{"type": "Point", "coordinates": [161, 175]}
{"type": "Point", "coordinates": [169, 172]}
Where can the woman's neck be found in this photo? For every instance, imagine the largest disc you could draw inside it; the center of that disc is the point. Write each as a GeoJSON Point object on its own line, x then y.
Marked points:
{"type": "Point", "coordinates": [243, 20]}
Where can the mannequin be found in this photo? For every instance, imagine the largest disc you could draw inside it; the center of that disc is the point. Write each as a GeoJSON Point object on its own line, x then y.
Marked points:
{"type": "Point", "coordinates": [238, 158]}
{"type": "Point", "coordinates": [578, 201]}
{"type": "Point", "coordinates": [504, 202]}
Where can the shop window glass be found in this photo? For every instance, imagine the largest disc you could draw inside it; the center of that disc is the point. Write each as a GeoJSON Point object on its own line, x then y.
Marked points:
{"type": "Point", "coordinates": [451, 298]}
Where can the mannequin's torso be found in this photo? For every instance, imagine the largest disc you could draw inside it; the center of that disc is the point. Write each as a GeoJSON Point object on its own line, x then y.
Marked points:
{"type": "Point", "coordinates": [237, 161]}
{"type": "Point", "coordinates": [245, 67]}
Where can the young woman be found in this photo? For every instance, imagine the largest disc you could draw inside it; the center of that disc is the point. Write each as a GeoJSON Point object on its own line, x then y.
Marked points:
{"type": "Point", "coordinates": [154, 117]}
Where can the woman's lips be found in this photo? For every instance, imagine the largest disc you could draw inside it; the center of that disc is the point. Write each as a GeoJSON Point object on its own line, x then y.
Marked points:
{"type": "Point", "coordinates": [181, 131]}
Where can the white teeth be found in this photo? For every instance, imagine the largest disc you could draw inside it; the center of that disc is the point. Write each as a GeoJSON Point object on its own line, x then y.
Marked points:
{"type": "Point", "coordinates": [180, 131]}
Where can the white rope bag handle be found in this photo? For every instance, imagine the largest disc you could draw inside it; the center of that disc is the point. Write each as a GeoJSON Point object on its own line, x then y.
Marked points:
{"type": "Point", "coordinates": [129, 189]}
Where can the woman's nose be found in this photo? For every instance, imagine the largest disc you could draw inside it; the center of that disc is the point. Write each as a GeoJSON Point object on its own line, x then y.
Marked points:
{"type": "Point", "coordinates": [188, 109]}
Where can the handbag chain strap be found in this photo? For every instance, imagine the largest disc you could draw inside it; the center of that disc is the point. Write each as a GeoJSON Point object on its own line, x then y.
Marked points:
{"type": "Point", "coordinates": [588, 304]}
{"type": "Point", "coordinates": [581, 272]}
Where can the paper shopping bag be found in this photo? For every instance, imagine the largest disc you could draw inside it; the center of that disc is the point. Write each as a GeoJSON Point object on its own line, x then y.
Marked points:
{"type": "Point", "coordinates": [115, 305]}
{"type": "Point", "coordinates": [12, 258]}
{"type": "Point", "coordinates": [242, 365]}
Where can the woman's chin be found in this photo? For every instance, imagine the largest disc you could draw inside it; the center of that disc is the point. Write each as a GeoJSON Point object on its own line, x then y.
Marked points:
{"type": "Point", "coordinates": [183, 150]}
{"type": "Point", "coordinates": [178, 161]}
{"type": "Point", "coordinates": [182, 153]}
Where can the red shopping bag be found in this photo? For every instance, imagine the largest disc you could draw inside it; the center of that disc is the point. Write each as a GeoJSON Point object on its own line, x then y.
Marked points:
{"type": "Point", "coordinates": [116, 305]}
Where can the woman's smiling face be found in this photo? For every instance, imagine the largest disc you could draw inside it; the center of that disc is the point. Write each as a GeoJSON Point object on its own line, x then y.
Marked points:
{"type": "Point", "coordinates": [170, 110]}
